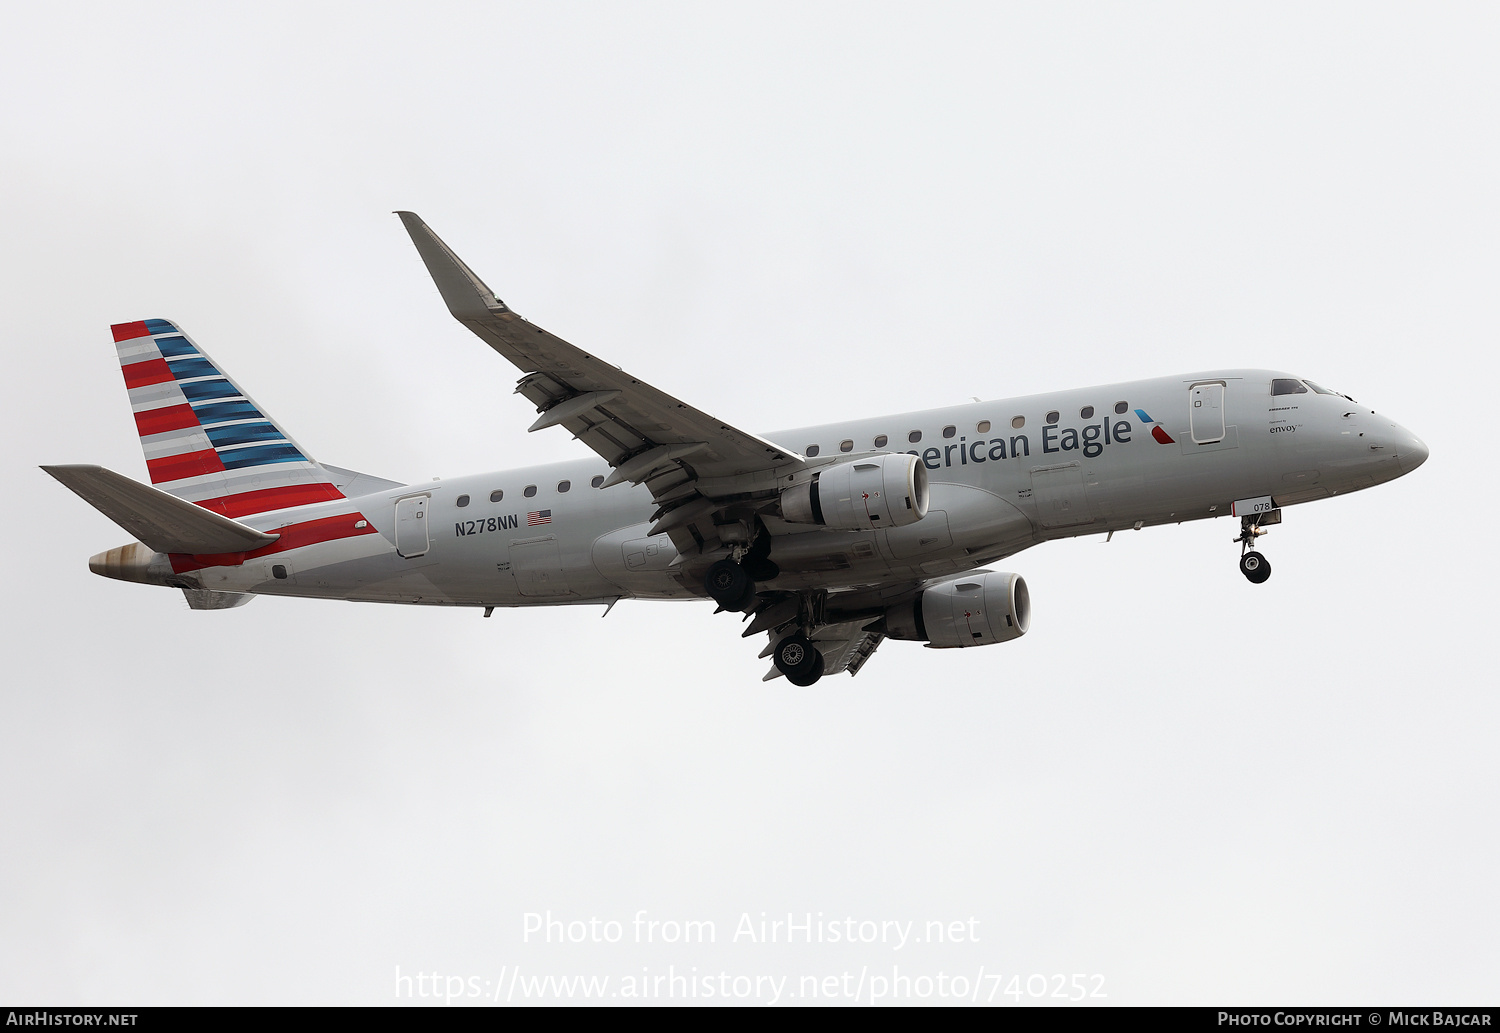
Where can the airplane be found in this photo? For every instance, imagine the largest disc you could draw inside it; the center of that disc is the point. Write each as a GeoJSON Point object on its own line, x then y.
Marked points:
{"type": "Point", "coordinates": [827, 539]}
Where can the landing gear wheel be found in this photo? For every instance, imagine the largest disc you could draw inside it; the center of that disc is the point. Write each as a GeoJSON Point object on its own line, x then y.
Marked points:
{"type": "Point", "coordinates": [809, 677]}
{"type": "Point", "coordinates": [796, 657]}
{"type": "Point", "coordinates": [728, 585]}
{"type": "Point", "coordinates": [1255, 567]}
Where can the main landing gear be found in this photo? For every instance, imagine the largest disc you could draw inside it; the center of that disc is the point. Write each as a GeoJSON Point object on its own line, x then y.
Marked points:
{"type": "Point", "coordinates": [798, 659]}
{"type": "Point", "coordinates": [1253, 565]}
{"type": "Point", "coordinates": [732, 586]}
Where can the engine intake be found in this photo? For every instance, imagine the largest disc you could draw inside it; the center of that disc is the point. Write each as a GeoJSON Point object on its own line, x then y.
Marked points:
{"type": "Point", "coordinates": [970, 611]}
{"type": "Point", "coordinates": [861, 494]}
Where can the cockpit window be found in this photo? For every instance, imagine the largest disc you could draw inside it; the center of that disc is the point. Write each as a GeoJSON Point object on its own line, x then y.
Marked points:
{"type": "Point", "coordinates": [1280, 386]}
{"type": "Point", "coordinates": [1320, 390]}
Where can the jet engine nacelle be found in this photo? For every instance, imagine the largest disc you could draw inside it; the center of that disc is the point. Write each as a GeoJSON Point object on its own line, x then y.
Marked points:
{"type": "Point", "coordinates": [861, 494]}
{"type": "Point", "coordinates": [970, 611]}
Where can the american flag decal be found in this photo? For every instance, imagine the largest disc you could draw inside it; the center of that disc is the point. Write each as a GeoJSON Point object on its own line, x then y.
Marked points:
{"type": "Point", "coordinates": [538, 516]}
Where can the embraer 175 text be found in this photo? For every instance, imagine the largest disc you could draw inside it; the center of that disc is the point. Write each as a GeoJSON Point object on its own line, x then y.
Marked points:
{"type": "Point", "coordinates": [830, 539]}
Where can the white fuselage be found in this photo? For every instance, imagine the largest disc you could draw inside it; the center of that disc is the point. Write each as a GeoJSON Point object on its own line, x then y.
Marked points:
{"type": "Point", "coordinates": [1002, 479]}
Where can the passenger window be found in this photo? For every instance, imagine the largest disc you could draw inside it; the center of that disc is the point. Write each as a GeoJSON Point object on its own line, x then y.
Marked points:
{"type": "Point", "coordinates": [948, 432]}
{"type": "Point", "coordinates": [1017, 422]}
{"type": "Point", "coordinates": [1120, 408]}
{"type": "Point", "coordinates": [496, 495]}
{"type": "Point", "coordinates": [1281, 386]}
{"type": "Point", "coordinates": [1086, 413]}
{"type": "Point", "coordinates": [812, 450]}
{"type": "Point", "coordinates": [530, 490]}
{"type": "Point", "coordinates": [914, 436]}
{"type": "Point", "coordinates": [881, 440]}
{"type": "Point", "coordinates": [563, 486]}
{"type": "Point", "coordinates": [846, 445]}
{"type": "Point", "coordinates": [463, 500]}
{"type": "Point", "coordinates": [983, 426]}
{"type": "Point", "coordinates": [598, 480]}
{"type": "Point", "coordinates": [1053, 416]}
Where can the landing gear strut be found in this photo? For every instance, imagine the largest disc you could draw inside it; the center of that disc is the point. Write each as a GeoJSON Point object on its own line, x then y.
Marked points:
{"type": "Point", "coordinates": [1253, 565]}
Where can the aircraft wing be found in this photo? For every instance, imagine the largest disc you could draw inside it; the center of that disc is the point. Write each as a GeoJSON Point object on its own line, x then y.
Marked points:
{"type": "Point", "coordinates": [648, 436]}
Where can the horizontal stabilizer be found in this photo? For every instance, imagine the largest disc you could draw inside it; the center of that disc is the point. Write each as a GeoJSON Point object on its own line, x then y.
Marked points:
{"type": "Point", "coordinates": [161, 521]}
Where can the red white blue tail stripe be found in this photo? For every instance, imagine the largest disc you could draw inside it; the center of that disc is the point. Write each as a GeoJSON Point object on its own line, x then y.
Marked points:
{"type": "Point", "coordinates": [205, 440]}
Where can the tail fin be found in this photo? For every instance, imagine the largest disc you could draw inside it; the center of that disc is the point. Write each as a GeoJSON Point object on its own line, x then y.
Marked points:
{"type": "Point", "coordinates": [205, 440]}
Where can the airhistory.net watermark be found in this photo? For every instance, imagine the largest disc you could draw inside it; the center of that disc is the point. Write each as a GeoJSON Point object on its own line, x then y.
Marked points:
{"type": "Point", "coordinates": [871, 986]}
{"type": "Point", "coordinates": [805, 927]}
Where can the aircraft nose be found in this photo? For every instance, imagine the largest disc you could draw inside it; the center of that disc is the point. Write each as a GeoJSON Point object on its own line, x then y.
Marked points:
{"type": "Point", "coordinates": [1411, 451]}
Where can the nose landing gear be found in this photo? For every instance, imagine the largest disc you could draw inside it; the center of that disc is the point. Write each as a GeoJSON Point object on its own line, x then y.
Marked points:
{"type": "Point", "coordinates": [1253, 565]}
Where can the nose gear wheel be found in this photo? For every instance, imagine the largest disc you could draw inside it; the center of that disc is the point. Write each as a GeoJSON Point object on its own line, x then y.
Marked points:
{"type": "Point", "coordinates": [1253, 565]}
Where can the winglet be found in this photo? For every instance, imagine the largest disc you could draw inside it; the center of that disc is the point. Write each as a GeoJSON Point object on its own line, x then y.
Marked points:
{"type": "Point", "coordinates": [465, 294]}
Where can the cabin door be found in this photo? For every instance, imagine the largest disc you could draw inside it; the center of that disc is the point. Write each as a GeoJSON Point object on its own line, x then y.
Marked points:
{"type": "Point", "coordinates": [1207, 412]}
{"type": "Point", "coordinates": [411, 527]}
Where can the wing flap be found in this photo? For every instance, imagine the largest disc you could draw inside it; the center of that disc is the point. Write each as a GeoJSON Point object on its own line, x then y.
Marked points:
{"type": "Point", "coordinates": [158, 520]}
{"type": "Point", "coordinates": [848, 650]}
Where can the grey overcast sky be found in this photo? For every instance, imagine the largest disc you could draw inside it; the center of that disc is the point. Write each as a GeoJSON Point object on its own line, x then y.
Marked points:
{"type": "Point", "coordinates": [1193, 789]}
